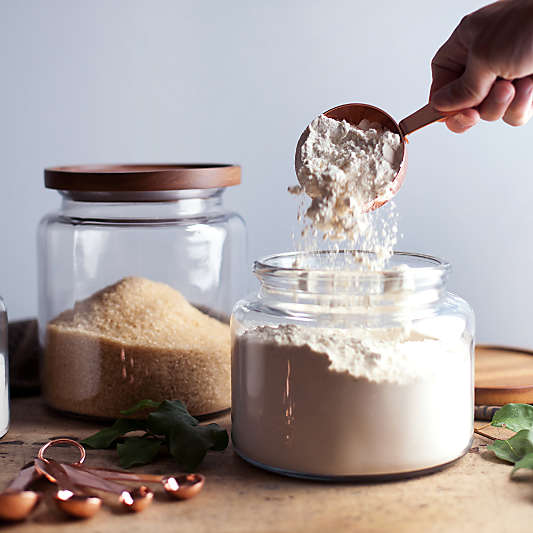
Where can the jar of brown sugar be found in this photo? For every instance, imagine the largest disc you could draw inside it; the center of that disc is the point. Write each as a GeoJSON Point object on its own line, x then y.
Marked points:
{"type": "Point", "coordinates": [138, 272]}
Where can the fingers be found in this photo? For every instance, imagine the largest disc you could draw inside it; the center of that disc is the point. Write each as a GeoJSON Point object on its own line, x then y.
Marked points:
{"type": "Point", "coordinates": [520, 109]}
{"type": "Point", "coordinates": [467, 91]}
{"type": "Point", "coordinates": [497, 102]}
{"type": "Point", "coordinates": [511, 101]}
{"type": "Point", "coordinates": [462, 121]}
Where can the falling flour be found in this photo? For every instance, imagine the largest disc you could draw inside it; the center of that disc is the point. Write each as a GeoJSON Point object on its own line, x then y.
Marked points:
{"type": "Point", "coordinates": [332, 396]}
{"type": "Point", "coordinates": [345, 170]}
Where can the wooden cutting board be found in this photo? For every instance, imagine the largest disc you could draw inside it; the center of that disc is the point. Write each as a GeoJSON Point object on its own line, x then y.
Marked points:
{"type": "Point", "coordinates": [503, 375]}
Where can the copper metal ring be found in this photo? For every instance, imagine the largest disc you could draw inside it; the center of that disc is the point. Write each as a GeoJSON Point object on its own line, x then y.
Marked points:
{"type": "Point", "coordinates": [54, 442]}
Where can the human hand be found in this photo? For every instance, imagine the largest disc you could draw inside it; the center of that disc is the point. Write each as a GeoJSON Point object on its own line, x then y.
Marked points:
{"type": "Point", "coordinates": [485, 69]}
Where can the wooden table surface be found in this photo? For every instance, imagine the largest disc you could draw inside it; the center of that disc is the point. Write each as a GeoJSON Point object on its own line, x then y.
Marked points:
{"type": "Point", "coordinates": [474, 494]}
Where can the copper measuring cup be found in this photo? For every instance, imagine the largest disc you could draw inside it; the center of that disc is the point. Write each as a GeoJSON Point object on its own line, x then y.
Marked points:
{"type": "Point", "coordinates": [16, 502]}
{"type": "Point", "coordinates": [355, 113]}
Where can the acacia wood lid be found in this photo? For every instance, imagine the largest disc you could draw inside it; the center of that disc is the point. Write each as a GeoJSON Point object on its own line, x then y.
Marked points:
{"type": "Point", "coordinates": [141, 177]}
{"type": "Point", "coordinates": [503, 375]}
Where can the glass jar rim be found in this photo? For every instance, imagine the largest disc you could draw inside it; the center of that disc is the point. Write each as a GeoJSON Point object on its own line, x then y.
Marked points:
{"type": "Point", "coordinates": [288, 264]}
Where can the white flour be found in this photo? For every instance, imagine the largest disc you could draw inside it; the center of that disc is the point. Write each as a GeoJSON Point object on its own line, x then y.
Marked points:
{"type": "Point", "coordinates": [335, 402]}
{"type": "Point", "coordinates": [4, 396]}
{"type": "Point", "coordinates": [344, 169]}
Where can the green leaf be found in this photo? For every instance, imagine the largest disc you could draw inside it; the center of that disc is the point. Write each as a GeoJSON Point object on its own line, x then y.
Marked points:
{"type": "Point", "coordinates": [189, 444]}
{"type": "Point", "coordinates": [169, 413]}
{"type": "Point", "coordinates": [217, 435]}
{"type": "Point", "coordinates": [514, 416]}
{"type": "Point", "coordinates": [525, 462]}
{"type": "Point", "coordinates": [187, 448]}
{"type": "Point", "coordinates": [138, 451]}
{"type": "Point", "coordinates": [513, 449]}
{"type": "Point", "coordinates": [141, 406]}
{"type": "Point", "coordinates": [187, 441]}
{"type": "Point", "coordinates": [106, 437]}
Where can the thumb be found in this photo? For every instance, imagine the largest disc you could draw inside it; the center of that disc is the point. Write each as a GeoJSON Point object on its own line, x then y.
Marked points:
{"type": "Point", "coordinates": [467, 91]}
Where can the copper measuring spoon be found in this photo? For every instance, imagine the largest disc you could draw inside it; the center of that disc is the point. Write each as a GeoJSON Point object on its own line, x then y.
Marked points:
{"type": "Point", "coordinates": [182, 486]}
{"type": "Point", "coordinates": [355, 113]}
{"type": "Point", "coordinates": [69, 498]}
{"type": "Point", "coordinates": [136, 499]}
{"type": "Point", "coordinates": [16, 503]}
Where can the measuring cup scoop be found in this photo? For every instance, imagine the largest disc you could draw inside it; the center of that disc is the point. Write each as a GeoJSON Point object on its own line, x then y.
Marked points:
{"type": "Point", "coordinates": [355, 113]}
{"type": "Point", "coordinates": [16, 503]}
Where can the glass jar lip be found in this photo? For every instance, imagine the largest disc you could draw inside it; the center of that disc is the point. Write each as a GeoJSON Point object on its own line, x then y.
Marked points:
{"type": "Point", "coordinates": [112, 197]}
{"type": "Point", "coordinates": [286, 265]}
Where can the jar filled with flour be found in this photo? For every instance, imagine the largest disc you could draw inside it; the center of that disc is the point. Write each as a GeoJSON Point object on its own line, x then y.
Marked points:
{"type": "Point", "coordinates": [4, 372]}
{"type": "Point", "coordinates": [139, 268]}
{"type": "Point", "coordinates": [344, 373]}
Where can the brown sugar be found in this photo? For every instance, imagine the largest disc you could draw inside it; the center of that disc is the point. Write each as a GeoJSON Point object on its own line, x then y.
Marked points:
{"type": "Point", "coordinates": [134, 340]}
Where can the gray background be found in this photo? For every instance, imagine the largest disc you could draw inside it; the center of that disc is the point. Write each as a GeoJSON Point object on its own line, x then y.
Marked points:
{"type": "Point", "coordinates": [237, 81]}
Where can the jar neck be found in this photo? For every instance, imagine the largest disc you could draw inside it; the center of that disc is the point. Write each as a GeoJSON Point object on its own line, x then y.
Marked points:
{"type": "Point", "coordinates": [347, 298]}
{"type": "Point", "coordinates": [401, 291]}
{"type": "Point", "coordinates": [141, 204]}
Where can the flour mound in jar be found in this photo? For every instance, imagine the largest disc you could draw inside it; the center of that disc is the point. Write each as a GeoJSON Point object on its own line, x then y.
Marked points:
{"type": "Point", "coordinates": [134, 340]}
{"type": "Point", "coordinates": [344, 169]}
{"type": "Point", "coordinates": [352, 402]}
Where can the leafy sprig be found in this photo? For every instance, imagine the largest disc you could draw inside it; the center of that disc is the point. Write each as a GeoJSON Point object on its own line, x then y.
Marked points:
{"type": "Point", "coordinates": [518, 449]}
{"type": "Point", "coordinates": [168, 426]}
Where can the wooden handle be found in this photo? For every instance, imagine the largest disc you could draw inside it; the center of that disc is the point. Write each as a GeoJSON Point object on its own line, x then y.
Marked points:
{"type": "Point", "coordinates": [424, 116]}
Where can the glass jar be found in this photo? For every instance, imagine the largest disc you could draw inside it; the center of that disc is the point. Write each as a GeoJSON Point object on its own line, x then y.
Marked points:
{"type": "Point", "coordinates": [339, 373]}
{"type": "Point", "coordinates": [4, 372]}
{"type": "Point", "coordinates": [138, 272]}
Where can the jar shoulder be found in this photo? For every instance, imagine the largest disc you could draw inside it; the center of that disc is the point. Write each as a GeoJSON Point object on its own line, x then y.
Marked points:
{"type": "Point", "coordinates": [453, 303]}
{"type": "Point", "coordinates": [60, 217]}
{"type": "Point", "coordinates": [450, 310]}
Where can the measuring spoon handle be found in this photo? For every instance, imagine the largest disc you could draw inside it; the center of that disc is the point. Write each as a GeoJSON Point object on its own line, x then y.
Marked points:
{"type": "Point", "coordinates": [110, 474]}
{"type": "Point", "coordinates": [85, 478]}
{"type": "Point", "coordinates": [423, 117]}
{"type": "Point", "coordinates": [55, 473]}
{"type": "Point", "coordinates": [24, 478]}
